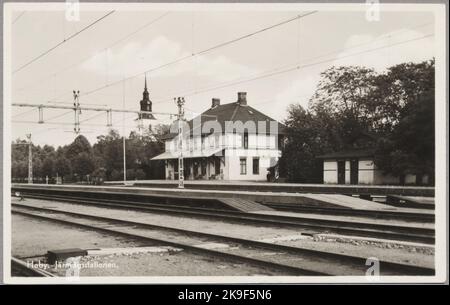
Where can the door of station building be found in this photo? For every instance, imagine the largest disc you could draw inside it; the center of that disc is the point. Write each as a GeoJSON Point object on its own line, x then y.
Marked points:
{"type": "Point", "coordinates": [341, 172]}
{"type": "Point", "coordinates": [354, 169]}
{"type": "Point", "coordinates": [217, 166]}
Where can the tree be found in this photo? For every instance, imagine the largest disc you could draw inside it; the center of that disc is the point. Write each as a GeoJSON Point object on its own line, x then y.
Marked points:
{"type": "Point", "coordinates": [63, 166]}
{"type": "Point", "coordinates": [78, 146]}
{"type": "Point", "coordinates": [109, 149]}
{"type": "Point", "coordinates": [83, 164]}
{"type": "Point", "coordinates": [298, 160]}
{"type": "Point", "coordinates": [99, 175]}
{"type": "Point", "coordinates": [408, 98]}
{"type": "Point", "coordinates": [355, 107]}
{"type": "Point", "coordinates": [140, 149]}
{"type": "Point", "coordinates": [410, 148]}
{"type": "Point", "coordinates": [103, 160]}
{"type": "Point", "coordinates": [48, 167]}
{"type": "Point", "coordinates": [401, 85]}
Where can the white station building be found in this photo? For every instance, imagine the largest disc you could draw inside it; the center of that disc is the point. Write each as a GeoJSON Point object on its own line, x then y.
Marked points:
{"type": "Point", "coordinates": [227, 153]}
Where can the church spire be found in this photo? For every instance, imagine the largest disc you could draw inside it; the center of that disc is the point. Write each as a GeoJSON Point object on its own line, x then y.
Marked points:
{"type": "Point", "coordinates": [145, 94]}
{"type": "Point", "coordinates": [146, 103]}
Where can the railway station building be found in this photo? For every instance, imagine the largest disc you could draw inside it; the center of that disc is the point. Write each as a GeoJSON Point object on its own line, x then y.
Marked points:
{"type": "Point", "coordinates": [232, 141]}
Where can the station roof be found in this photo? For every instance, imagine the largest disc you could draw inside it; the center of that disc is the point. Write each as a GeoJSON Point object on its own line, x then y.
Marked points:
{"type": "Point", "coordinates": [234, 112]}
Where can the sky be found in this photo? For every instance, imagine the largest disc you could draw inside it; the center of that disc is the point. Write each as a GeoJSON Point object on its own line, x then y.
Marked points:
{"type": "Point", "coordinates": [125, 44]}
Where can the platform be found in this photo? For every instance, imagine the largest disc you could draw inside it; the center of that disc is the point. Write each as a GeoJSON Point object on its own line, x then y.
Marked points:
{"type": "Point", "coordinates": [416, 202]}
{"type": "Point", "coordinates": [213, 197]}
{"type": "Point", "coordinates": [346, 189]}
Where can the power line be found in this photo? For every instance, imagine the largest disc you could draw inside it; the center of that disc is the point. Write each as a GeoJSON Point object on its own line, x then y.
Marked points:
{"type": "Point", "coordinates": [62, 42]}
{"type": "Point", "coordinates": [58, 116]}
{"type": "Point", "coordinates": [71, 124]}
{"type": "Point", "coordinates": [23, 113]}
{"type": "Point", "coordinates": [328, 53]}
{"type": "Point", "coordinates": [200, 52]}
{"type": "Point", "coordinates": [94, 116]}
{"type": "Point", "coordinates": [292, 68]}
{"type": "Point", "coordinates": [107, 47]}
{"type": "Point", "coordinates": [298, 17]}
{"type": "Point", "coordinates": [372, 41]}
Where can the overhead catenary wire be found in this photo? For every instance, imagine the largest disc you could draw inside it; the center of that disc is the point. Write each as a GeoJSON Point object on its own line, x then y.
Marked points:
{"type": "Point", "coordinates": [58, 116]}
{"type": "Point", "coordinates": [122, 39]}
{"type": "Point", "coordinates": [297, 66]}
{"type": "Point", "coordinates": [200, 52]}
{"type": "Point", "coordinates": [23, 113]}
{"type": "Point", "coordinates": [93, 117]}
{"type": "Point", "coordinates": [62, 42]}
{"type": "Point", "coordinates": [291, 68]}
{"type": "Point", "coordinates": [71, 124]}
{"type": "Point", "coordinates": [286, 70]}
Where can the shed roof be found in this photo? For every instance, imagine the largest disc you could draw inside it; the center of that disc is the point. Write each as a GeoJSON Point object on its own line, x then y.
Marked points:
{"type": "Point", "coordinates": [354, 153]}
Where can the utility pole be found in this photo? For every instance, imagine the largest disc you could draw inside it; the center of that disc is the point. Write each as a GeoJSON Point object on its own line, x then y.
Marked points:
{"type": "Point", "coordinates": [123, 137]}
{"type": "Point", "coordinates": [77, 110]}
{"type": "Point", "coordinates": [180, 102]}
{"type": "Point", "coordinates": [30, 159]}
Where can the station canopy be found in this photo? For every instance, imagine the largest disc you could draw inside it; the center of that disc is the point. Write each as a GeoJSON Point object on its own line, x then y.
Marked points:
{"type": "Point", "coordinates": [188, 154]}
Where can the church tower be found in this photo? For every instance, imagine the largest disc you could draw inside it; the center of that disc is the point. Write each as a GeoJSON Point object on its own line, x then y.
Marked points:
{"type": "Point", "coordinates": [146, 104]}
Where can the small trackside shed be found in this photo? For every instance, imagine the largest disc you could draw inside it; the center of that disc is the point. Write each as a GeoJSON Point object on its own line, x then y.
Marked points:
{"type": "Point", "coordinates": [358, 167]}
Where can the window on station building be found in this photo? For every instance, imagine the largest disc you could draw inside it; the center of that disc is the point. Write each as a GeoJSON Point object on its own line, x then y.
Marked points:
{"type": "Point", "coordinates": [245, 140]}
{"type": "Point", "coordinates": [243, 166]}
{"type": "Point", "coordinates": [255, 166]}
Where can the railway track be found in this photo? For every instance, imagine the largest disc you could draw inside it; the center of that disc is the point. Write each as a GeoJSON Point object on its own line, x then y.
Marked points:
{"type": "Point", "coordinates": [391, 215]}
{"type": "Point", "coordinates": [289, 260]}
{"type": "Point", "coordinates": [314, 225]}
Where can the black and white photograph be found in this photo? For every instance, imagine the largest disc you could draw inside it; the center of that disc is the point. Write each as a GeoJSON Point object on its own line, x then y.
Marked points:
{"type": "Point", "coordinates": [235, 143]}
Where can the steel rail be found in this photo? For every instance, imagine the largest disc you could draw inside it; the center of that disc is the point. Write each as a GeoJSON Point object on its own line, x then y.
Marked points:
{"type": "Point", "coordinates": [359, 262]}
{"type": "Point", "coordinates": [406, 216]}
{"type": "Point", "coordinates": [291, 270]}
{"type": "Point", "coordinates": [342, 227]}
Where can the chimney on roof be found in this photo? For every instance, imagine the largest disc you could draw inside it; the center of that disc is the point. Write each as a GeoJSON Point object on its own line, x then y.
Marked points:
{"type": "Point", "coordinates": [215, 102]}
{"type": "Point", "coordinates": [242, 98]}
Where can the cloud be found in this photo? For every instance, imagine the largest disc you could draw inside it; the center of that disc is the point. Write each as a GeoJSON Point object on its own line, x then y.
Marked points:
{"type": "Point", "coordinates": [222, 68]}
{"type": "Point", "coordinates": [373, 51]}
{"type": "Point", "coordinates": [298, 91]}
{"type": "Point", "coordinates": [136, 57]}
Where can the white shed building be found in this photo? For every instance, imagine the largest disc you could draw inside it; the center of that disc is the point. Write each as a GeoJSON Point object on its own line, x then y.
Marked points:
{"type": "Point", "coordinates": [358, 167]}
